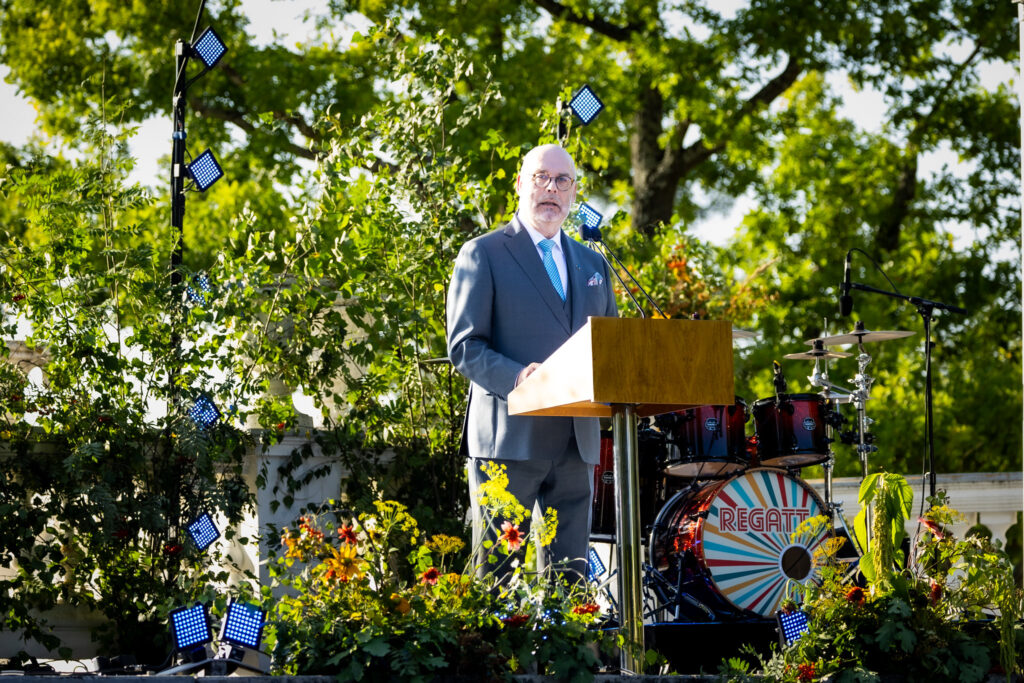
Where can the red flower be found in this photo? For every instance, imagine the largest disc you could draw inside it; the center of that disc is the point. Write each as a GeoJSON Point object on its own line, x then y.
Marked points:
{"type": "Point", "coordinates": [172, 549]}
{"type": "Point", "coordinates": [430, 576]}
{"type": "Point", "coordinates": [511, 536]}
{"type": "Point", "coordinates": [589, 608]}
{"type": "Point", "coordinates": [805, 672]}
{"type": "Point", "coordinates": [515, 620]}
{"type": "Point", "coordinates": [935, 594]}
{"type": "Point", "coordinates": [18, 297]}
{"type": "Point", "coordinates": [931, 526]}
{"type": "Point", "coordinates": [279, 426]}
{"type": "Point", "coordinates": [346, 534]}
{"type": "Point", "coordinates": [855, 595]}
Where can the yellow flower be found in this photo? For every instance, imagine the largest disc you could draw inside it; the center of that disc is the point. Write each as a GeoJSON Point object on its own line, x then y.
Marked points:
{"type": "Point", "coordinates": [344, 563]}
{"type": "Point", "coordinates": [493, 494]}
{"type": "Point", "coordinates": [548, 527]}
{"type": "Point", "coordinates": [445, 544]}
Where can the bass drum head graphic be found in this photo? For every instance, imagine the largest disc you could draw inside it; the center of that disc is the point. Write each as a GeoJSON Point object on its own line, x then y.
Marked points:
{"type": "Point", "coordinates": [738, 543]}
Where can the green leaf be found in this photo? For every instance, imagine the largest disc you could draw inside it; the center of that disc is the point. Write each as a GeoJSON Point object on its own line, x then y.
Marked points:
{"type": "Point", "coordinates": [377, 647]}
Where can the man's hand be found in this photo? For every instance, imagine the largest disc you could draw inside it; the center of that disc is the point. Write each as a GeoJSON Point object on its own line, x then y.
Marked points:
{"type": "Point", "coordinates": [526, 372]}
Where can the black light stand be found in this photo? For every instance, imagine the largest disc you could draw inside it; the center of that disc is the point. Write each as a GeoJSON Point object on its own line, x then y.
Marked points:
{"type": "Point", "coordinates": [925, 308]}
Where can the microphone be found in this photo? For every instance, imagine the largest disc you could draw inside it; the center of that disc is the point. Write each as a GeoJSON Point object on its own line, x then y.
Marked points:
{"type": "Point", "coordinates": [845, 300]}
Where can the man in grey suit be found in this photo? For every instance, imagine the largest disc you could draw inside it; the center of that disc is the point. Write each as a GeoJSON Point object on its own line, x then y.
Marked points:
{"type": "Point", "coordinates": [516, 295]}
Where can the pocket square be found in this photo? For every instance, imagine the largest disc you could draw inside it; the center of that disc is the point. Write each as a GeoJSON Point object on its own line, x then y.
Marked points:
{"type": "Point", "coordinates": [595, 280]}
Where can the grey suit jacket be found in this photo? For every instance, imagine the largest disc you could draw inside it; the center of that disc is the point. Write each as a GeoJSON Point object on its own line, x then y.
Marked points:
{"type": "Point", "coordinates": [503, 314]}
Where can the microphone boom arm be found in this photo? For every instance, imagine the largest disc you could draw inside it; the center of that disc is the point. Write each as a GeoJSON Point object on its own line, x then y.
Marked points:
{"type": "Point", "coordinates": [622, 282]}
{"type": "Point", "coordinates": [638, 285]}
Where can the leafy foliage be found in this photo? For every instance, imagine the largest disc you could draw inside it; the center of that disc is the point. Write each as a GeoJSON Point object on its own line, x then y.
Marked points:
{"type": "Point", "coordinates": [953, 614]}
{"type": "Point", "coordinates": [381, 602]}
{"type": "Point", "coordinates": [96, 490]}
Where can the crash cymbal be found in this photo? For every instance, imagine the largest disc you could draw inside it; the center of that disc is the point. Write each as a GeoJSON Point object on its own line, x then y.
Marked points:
{"type": "Point", "coordinates": [737, 333]}
{"type": "Point", "coordinates": [817, 353]}
{"type": "Point", "coordinates": [860, 336]}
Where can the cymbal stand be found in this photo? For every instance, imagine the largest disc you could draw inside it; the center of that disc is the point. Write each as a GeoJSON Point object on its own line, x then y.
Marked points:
{"type": "Point", "coordinates": [820, 379]}
{"type": "Point", "coordinates": [862, 381]}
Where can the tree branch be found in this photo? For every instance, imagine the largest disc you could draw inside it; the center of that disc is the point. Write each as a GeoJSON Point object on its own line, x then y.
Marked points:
{"type": "Point", "coordinates": [605, 28]}
{"type": "Point", "coordinates": [236, 117]}
{"type": "Point", "coordinates": [890, 225]}
{"type": "Point", "coordinates": [658, 171]}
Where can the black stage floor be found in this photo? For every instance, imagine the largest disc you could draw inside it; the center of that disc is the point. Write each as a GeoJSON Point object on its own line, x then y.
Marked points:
{"type": "Point", "coordinates": [695, 648]}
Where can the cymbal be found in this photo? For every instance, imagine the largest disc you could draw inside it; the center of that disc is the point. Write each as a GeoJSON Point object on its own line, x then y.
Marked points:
{"type": "Point", "coordinates": [859, 336]}
{"type": "Point", "coordinates": [737, 333]}
{"type": "Point", "coordinates": [817, 353]}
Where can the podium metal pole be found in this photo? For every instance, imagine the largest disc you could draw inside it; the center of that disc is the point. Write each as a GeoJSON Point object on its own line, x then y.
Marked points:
{"type": "Point", "coordinates": [627, 528]}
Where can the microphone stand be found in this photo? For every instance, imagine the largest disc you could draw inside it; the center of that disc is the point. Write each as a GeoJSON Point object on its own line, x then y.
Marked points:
{"type": "Point", "coordinates": [925, 308]}
{"type": "Point", "coordinates": [593, 238]}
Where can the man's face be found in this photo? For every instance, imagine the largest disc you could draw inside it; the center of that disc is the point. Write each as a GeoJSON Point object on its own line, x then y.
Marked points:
{"type": "Point", "coordinates": [546, 208]}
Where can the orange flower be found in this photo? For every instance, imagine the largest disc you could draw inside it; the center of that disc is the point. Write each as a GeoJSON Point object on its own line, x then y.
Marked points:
{"type": "Point", "coordinates": [515, 620]}
{"type": "Point", "coordinates": [430, 576]}
{"type": "Point", "coordinates": [935, 594]}
{"type": "Point", "coordinates": [855, 595]}
{"type": "Point", "coordinates": [346, 534]}
{"type": "Point", "coordinates": [805, 672]}
{"type": "Point", "coordinates": [344, 564]}
{"type": "Point", "coordinates": [292, 543]}
{"type": "Point", "coordinates": [402, 605]}
{"type": "Point", "coordinates": [511, 536]}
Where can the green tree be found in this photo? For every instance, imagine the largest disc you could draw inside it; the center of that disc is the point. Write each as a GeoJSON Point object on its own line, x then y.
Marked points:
{"type": "Point", "coordinates": [703, 107]}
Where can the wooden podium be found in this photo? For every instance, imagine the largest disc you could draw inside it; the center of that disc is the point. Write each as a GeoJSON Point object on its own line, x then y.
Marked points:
{"type": "Point", "coordinates": [625, 368]}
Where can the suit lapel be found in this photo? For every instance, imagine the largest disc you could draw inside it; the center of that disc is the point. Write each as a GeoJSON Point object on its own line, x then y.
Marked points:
{"type": "Point", "coordinates": [524, 252]}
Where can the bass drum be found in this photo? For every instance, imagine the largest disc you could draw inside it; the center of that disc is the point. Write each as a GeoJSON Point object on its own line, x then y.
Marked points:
{"type": "Point", "coordinates": [729, 546]}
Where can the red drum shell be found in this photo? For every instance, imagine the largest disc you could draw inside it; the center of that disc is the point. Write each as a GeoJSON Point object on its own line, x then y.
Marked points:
{"type": "Point", "coordinates": [654, 488]}
{"type": "Point", "coordinates": [709, 442]}
{"type": "Point", "coordinates": [791, 430]}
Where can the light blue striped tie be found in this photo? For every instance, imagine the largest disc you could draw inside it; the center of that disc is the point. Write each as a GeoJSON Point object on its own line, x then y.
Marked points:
{"type": "Point", "coordinates": [549, 265]}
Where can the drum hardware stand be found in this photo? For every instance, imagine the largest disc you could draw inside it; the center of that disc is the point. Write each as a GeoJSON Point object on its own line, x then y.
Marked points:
{"type": "Point", "coordinates": [925, 308]}
{"type": "Point", "coordinates": [672, 596]}
{"type": "Point", "coordinates": [862, 381]}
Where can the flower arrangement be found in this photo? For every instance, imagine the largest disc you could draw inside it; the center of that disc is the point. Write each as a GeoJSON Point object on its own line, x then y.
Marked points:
{"type": "Point", "coordinates": [949, 612]}
{"type": "Point", "coordinates": [371, 597]}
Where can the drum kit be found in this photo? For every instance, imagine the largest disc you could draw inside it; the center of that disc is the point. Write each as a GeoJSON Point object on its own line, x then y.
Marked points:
{"type": "Point", "coordinates": [722, 512]}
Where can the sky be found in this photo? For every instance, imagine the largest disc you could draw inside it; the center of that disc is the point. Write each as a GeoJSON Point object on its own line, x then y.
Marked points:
{"type": "Point", "coordinates": [282, 20]}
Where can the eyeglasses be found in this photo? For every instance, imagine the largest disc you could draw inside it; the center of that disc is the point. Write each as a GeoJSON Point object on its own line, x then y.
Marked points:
{"type": "Point", "coordinates": [562, 182]}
